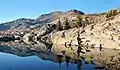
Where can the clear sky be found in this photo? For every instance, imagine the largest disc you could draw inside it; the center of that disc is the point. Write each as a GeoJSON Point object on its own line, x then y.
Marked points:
{"type": "Point", "coordinates": [14, 9]}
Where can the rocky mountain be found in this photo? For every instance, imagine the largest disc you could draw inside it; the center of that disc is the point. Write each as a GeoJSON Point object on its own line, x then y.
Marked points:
{"type": "Point", "coordinates": [23, 23]}
{"type": "Point", "coordinates": [74, 11]}
{"type": "Point", "coordinates": [46, 18]}
{"type": "Point", "coordinates": [16, 24]}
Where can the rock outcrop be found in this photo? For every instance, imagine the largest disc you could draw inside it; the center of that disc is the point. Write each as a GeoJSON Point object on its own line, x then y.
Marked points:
{"type": "Point", "coordinates": [102, 31]}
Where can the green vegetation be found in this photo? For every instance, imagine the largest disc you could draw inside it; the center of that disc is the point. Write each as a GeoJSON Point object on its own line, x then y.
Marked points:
{"type": "Point", "coordinates": [59, 26]}
{"type": "Point", "coordinates": [79, 21]}
{"type": "Point", "coordinates": [66, 24]}
{"type": "Point", "coordinates": [82, 23]}
{"type": "Point", "coordinates": [111, 13]}
{"type": "Point", "coordinates": [53, 27]}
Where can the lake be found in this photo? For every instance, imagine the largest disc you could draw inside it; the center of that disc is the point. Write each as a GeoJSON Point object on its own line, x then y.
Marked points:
{"type": "Point", "coordinates": [13, 62]}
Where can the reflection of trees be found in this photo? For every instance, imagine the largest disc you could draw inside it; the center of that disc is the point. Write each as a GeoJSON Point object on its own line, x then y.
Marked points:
{"type": "Point", "coordinates": [59, 59]}
{"type": "Point", "coordinates": [79, 65]}
{"type": "Point", "coordinates": [24, 52]}
{"type": "Point", "coordinates": [29, 50]}
{"type": "Point", "coordinates": [67, 59]}
{"type": "Point", "coordinates": [47, 45]}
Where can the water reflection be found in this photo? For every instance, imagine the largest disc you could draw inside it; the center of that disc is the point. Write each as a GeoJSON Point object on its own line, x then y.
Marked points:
{"type": "Point", "coordinates": [79, 65]}
{"type": "Point", "coordinates": [12, 62]}
{"type": "Point", "coordinates": [36, 60]}
{"type": "Point", "coordinates": [67, 59]}
{"type": "Point", "coordinates": [59, 59]}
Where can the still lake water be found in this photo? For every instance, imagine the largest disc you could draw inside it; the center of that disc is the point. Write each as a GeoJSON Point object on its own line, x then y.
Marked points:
{"type": "Point", "coordinates": [13, 62]}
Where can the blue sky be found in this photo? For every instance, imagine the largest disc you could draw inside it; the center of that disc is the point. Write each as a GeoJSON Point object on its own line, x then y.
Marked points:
{"type": "Point", "coordinates": [14, 9]}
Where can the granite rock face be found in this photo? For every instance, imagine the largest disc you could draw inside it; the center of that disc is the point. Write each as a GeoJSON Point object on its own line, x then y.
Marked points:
{"type": "Point", "coordinates": [103, 31]}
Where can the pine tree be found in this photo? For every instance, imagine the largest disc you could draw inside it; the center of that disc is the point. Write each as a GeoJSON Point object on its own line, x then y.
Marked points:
{"type": "Point", "coordinates": [66, 24]}
{"type": "Point", "coordinates": [79, 21]}
{"type": "Point", "coordinates": [58, 26]}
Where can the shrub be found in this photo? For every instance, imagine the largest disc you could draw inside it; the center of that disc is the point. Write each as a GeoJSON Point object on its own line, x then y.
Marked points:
{"type": "Point", "coordinates": [53, 26]}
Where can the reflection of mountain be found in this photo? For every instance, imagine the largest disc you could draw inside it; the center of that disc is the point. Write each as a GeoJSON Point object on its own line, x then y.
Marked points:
{"type": "Point", "coordinates": [24, 51]}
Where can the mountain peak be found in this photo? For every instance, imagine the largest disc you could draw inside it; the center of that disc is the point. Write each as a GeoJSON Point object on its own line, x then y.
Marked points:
{"type": "Point", "coordinates": [74, 11]}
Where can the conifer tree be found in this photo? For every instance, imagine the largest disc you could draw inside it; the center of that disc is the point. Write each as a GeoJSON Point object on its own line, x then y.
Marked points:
{"type": "Point", "coordinates": [58, 26]}
{"type": "Point", "coordinates": [79, 21]}
{"type": "Point", "coordinates": [66, 24]}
